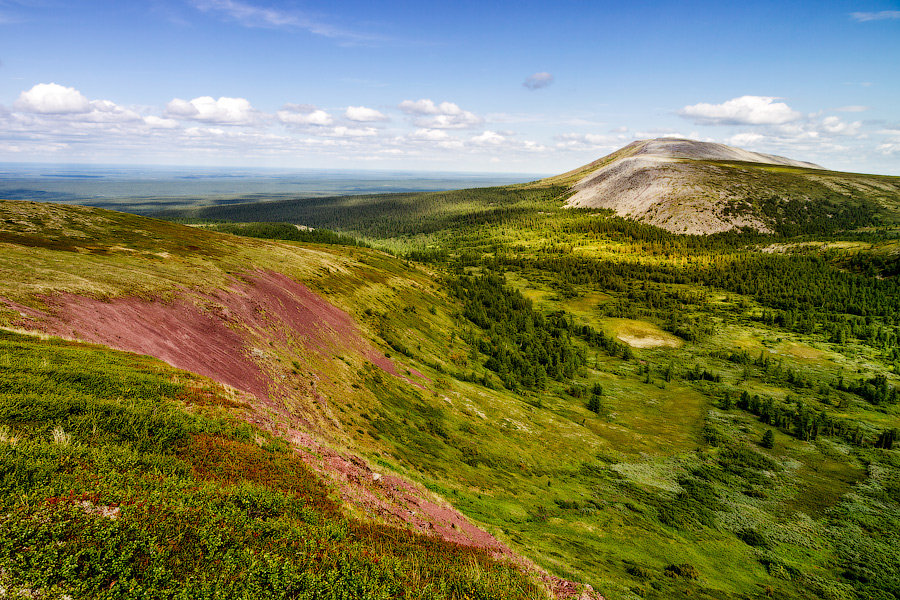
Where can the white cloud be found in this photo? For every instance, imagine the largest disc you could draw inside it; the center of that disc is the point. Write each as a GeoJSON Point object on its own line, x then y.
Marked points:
{"type": "Point", "coordinates": [745, 139]}
{"type": "Point", "coordinates": [427, 107]}
{"type": "Point", "coordinates": [538, 80]}
{"type": "Point", "coordinates": [429, 135]}
{"type": "Point", "coordinates": [835, 126]}
{"type": "Point", "coordinates": [362, 114]}
{"type": "Point", "coordinates": [225, 111]}
{"type": "Point", "coordinates": [304, 115]}
{"type": "Point", "coordinates": [104, 111]}
{"type": "Point", "coordinates": [52, 99]}
{"type": "Point", "coordinates": [351, 132]}
{"type": "Point", "coordinates": [532, 146]}
{"type": "Point", "coordinates": [250, 15]}
{"type": "Point", "coordinates": [160, 123]}
{"type": "Point", "coordinates": [489, 138]}
{"type": "Point", "coordinates": [52, 102]}
{"type": "Point", "coordinates": [891, 145]}
{"type": "Point", "coordinates": [502, 143]}
{"type": "Point", "coordinates": [852, 108]}
{"type": "Point", "coordinates": [588, 141]}
{"type": "Point", "coordinates": [445, 115]}
{"type": "Point", "coordinates": [451, 144]}
{"type": "Point", "coordinates": [863, 17]}
{"type": "Point", "coordinates": [746, 110]}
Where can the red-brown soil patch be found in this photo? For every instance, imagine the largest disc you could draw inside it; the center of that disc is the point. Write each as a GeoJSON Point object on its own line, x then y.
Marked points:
{"type": "Point", "coordinates": [221, 334]}
{"type": "Point", "coordinates": [228, 335]}
{"type": "Point", "coordinates": [402, 503]}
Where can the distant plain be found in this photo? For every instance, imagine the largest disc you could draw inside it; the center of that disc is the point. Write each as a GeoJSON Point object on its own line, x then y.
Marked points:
{"type": "Point", "coordinates": [145, 189]}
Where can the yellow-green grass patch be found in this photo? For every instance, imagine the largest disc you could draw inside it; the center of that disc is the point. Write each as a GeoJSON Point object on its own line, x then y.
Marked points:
{"type": "Point", "coordinates": [640, 334]}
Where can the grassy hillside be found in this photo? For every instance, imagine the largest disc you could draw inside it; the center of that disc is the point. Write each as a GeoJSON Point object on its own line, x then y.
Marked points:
{"type": "Point", "coordinates": [595, 392]}
{"type": "Point", "coordinates": [121, 477]}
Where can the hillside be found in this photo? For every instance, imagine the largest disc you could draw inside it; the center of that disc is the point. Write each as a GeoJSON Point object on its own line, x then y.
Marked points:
{"type": "Point", "coordinates": [682, 186]}
{"type": "Point", "coordinates": [558, 391]}
{"type": "Point", "coordinates": [693, 187]}
{"type": "Point", "coordinates": [262, 323]}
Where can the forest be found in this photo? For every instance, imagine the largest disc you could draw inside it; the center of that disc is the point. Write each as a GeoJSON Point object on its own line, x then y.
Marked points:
{"type": "Point", "coordinates": [784, 345]}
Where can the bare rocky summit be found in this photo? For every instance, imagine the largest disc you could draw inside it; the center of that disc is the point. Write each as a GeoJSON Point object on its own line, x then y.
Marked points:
{"type": "Point", "coordinates": [686, 186]}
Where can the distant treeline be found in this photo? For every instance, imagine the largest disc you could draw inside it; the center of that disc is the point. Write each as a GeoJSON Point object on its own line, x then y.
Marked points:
{"type": "Point", "coordinates": [604, 224]}
{"type": "Point", "coordinates": [524, 347]}
{"type": "Point", "coordinates": [801, 291]}
{"type": "Point", "coordinates": [798, 420]}
{"type": "Point", "coordinates": [791, 217]}
{"type": "Point", "coordinates": [287, 231]}
{"type": "Point", "coordinates": [385, 216]}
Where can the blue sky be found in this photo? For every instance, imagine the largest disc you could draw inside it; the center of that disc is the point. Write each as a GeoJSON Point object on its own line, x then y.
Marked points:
{"type": "Point", "coordinates": [483, 86]}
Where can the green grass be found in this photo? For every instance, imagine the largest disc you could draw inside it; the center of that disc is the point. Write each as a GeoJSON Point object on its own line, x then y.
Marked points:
{"type": "Point", "coordinates": [116, 483]}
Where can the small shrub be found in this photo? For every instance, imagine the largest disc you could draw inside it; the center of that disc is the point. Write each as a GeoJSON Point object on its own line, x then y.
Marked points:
{"type": "Point", "coordinates": [684, 570]}
{"type": "Point", "coordinates": [754, 493]}
{"type": "Point", "coordinates": [752, 537]}
{"type": "Point", "coordinates": [639, 572]}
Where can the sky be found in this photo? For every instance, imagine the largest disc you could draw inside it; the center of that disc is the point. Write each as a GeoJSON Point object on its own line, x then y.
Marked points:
{"type": "Point", "coordinates": [494, 86]}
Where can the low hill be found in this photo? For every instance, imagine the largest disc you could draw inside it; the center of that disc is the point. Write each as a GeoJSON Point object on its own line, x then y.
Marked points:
{"type": "Point", "coordinates": [693, 187]}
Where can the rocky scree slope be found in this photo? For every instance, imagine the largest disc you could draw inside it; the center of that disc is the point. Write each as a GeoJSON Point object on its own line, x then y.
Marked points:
{"type": "Point", "coordinates": [692, 187]}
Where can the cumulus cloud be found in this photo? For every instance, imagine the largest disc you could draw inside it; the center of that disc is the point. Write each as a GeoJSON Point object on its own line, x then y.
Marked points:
{"type": "Point", "coordinates": [445, 115]}
{"type": "Point", "coordinates": [304, 115]}
{"type": "Point", "coordinates": [351, 132]}
{"type": "Point", "coordinates": [538, 80]}
{"type": "Point", "coordinates": [429, 135]}
{"type": "Point", "coordinates": [225, 111]}
{"type": "Point", "coordinates": [53, 102]}
{"type": "Point", "coordinates": [52, 99]}
{"type": "Point", "coordinates": [745, 139]}
{"type": "Point", "coordinates": [835, 126]}
{"type": "Point", "coordinates": [502, 141]}
{"type": "Point", "coordinates": [746, 110]}
{"type": "Point", "coordinates": [863, 17]}
{"type": "Point", "coordinates": [590, 141]}
{"type": "Point", "coordinates": [891, 145]}
{"type": "Point", "coordinates": [160, 123]}
{"type": "Point", "coordinates": [489, 138]}
{"type": "Point", "coordinates": [362, 114]}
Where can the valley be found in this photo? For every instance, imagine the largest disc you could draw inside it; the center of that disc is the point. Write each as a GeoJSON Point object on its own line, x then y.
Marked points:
{"type": "Point", "coordinates": [685, 389]}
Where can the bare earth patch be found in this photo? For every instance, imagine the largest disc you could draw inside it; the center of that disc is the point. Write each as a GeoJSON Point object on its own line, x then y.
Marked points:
{"type": "Point", "coordinates": [641, 334]}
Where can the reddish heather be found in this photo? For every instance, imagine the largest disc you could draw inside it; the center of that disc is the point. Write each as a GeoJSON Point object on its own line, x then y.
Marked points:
{"type": "Point", "coordinates": [402, 503]}
{"type": "Point", "coordinates": [212, 334]}
{"type": "Point", "coordinates": [226, 335]}
{"type": "Point", "coordinates": [175, 332]}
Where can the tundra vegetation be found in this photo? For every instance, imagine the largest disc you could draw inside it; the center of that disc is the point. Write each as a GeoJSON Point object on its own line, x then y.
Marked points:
{"type": "Point", "coordinates": [657, 415]}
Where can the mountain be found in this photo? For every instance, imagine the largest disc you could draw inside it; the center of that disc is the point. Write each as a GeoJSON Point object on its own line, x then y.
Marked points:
{"type": "Point", "coordinates": [478, 393]}
{"type": "Point", "coordinates": [693, 187]}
